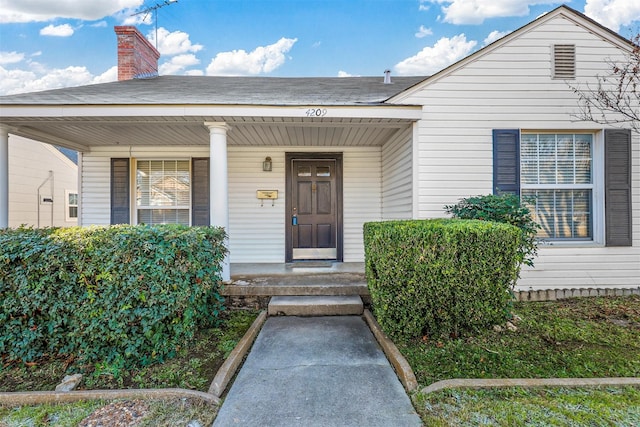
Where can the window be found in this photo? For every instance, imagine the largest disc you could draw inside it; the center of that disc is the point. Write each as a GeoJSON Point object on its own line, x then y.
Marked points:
{"type": "Point", "coordinates": [163, 191]}
{"type": "Point", "coordinates": [71, 208]}
{"type": "Point", "coordinates": [557, 183]}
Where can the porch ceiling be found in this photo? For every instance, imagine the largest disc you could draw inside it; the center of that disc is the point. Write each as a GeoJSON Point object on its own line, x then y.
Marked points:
{"type": "Point", "coordinates": [83, 133]}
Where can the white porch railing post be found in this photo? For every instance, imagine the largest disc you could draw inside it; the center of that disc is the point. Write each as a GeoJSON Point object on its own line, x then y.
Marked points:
{"type": "Point", "coordinates": [219, 184]}
{"type": "Point", "coordinates": [4, 177]}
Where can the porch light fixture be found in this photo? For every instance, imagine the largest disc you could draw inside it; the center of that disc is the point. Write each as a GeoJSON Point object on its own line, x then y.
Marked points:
{"type": "Point", "coordinates": [266, 165]}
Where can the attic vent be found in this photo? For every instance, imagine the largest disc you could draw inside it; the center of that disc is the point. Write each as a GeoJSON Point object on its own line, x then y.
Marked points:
{"type": "Point", "coordinates": [564, 61]}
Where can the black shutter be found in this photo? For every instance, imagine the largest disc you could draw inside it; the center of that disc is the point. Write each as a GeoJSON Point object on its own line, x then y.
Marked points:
{"type": "Point", "coordinates": [120, 196]}
{"type": "Point", "coordinates": [506, 161]}
{"type": "Point", "coordinates": [617, 183]}
{"type": "Point", "coordinates": [200, 191]}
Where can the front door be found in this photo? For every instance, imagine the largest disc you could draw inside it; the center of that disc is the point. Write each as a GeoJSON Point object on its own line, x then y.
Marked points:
{"type": "Point", "coordinates": [314, 231]}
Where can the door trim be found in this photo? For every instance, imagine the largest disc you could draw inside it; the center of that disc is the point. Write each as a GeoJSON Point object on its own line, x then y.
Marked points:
{"type": "Point", "coordinates": [337, 157]}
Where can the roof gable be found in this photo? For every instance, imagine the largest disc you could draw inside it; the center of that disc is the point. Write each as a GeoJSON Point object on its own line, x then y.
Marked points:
{"type": "Point", "coordinates": [561, 11]}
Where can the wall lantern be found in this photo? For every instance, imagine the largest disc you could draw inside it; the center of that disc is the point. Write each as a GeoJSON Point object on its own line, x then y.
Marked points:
{"type": "Point", "coordinates": [266, 165]}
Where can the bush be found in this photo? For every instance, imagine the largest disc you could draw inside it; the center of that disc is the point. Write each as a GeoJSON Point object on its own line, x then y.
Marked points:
{"type": "Point", "coordinates": [440, 277]}
{"type": "Point", "coordinates": [506, 208]}
{"type": "Point", "coordinates": [130, 295]}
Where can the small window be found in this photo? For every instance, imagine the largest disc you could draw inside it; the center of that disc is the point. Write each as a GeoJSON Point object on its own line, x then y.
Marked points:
{"type": "Point", "coordinates": [564, 61]}
{"type": "Point", "coordinates": [71, 208]}
{"type": "Point", "coordinates": [323, 171]}
{"type": "Point", "coordinates": [304, 170]}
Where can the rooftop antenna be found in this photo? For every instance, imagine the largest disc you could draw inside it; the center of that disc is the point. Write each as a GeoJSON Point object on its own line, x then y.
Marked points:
{"type": "Point", "coordinates": [155, 10]}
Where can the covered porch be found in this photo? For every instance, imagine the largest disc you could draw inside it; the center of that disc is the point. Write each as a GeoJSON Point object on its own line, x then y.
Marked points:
{"type": "Point", "coordinates": [375, 142]}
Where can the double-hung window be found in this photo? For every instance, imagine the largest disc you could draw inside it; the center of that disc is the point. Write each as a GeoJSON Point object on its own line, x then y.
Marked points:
{"type": "Point", "coordinates": [163, 191]}
{"type": "Point", "coordinates": [71, 208]}
{"type": "Point", "coordinates": [557, 182]}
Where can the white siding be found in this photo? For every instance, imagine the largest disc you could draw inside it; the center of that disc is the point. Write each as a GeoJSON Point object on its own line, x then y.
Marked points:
{"type": "Point", "coordinates": [397, 176]}
{"type": "Point", "coordinates": [510, 87]}
{"type": "Point", "coordinates": [256, 230]}
{"type": "Point", "coordinates": [29, 165]}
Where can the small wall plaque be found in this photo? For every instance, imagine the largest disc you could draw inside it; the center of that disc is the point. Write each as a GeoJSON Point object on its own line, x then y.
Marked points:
{"type": "Point", "coordinates": [267, 194]}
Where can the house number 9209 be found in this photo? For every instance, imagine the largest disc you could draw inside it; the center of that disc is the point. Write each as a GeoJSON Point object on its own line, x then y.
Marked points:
{"type": "Point", "coordinates": [316, 112]}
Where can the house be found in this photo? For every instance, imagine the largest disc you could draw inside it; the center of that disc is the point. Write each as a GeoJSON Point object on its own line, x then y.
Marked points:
{"type": "Point", "coordinates": [43, 185]}
{"type": "Point", "coordinates": [293, 167]}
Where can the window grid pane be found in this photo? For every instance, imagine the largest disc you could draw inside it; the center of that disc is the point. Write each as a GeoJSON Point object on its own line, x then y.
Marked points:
{"type": "Point", "coordinates": [557, 182]}
{"type": "Point", "coordinates": [163, 193]}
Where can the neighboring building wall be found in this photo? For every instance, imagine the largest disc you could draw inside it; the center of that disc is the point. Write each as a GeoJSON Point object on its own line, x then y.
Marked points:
{"type": "Point", "coordinates": [509, 87]}
{"type": "Point", "coordinates": [30, 163]}
{"type": "Point", "coordinates": [257, 230]}
{"type": "Point", "coordinates": [397, 176]}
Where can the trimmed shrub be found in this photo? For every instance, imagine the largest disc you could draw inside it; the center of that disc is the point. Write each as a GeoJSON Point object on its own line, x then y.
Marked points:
{"type": "Point", "coordinates": [506, 208]}
{"type": "Point", "coordinates": [440, 277]}
{"type": "Point", "coordinates": [130, 295]}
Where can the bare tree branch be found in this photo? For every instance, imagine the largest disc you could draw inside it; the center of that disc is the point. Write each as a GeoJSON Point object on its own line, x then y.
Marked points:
{"type": "Point", "coordinates": [615, 100]}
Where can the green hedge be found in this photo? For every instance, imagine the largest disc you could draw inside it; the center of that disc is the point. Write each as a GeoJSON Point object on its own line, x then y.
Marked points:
{"type": "Point", "coordinates": [441, 277]}
{"type": "Point", "coordinates": [127, 294]}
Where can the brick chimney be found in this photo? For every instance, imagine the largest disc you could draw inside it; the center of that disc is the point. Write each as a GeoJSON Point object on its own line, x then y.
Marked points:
{"type": "Point", "coordinates": [137, 58]}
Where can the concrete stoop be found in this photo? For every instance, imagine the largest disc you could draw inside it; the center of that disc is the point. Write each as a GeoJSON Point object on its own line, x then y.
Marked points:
{"type": "Point", "coordinates": [316, 305]}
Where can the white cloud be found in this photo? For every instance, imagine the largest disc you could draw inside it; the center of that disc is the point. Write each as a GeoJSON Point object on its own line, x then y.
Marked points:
{"type": "Point", "coordinates": [476, 11]}
{"type": "Point", "coordinates": [263, 59]}
{"type": "Point", "coordinates": [178, 63]}
{"type": "Point", "coordinates": [613, 14]}
{"type": "Point", "coordinates": [63, 30]}
{"type": "Point", "coordinates": [494, 35]}
{"type": "Point", "coordinates": [100, 24]}
{"type": "Point", "coordinates": [111, 75]}
{"type": "Point", "coordinates": [423, 6]}
{"type": "Point", "coordinates": [423, 32]}
{"type": "Point", "coordinates": [430, 60]}
{"type": "Point", "coordinates": [38, 78]}
{"type": "Point", "coordinates": [10, 57]}
{"type": "Point", "coordinates": [46, 10]}
{"type": "Point", "coordinates": [173, 43]}
{"type": "Point", "coordinates": [344, 74]}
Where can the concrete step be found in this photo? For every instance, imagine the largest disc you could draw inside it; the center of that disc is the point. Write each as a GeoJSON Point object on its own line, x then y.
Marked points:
{"type": "Point", "coordinates": [311, 284]}
{"type": "Point", "coordinates": [315, 305]}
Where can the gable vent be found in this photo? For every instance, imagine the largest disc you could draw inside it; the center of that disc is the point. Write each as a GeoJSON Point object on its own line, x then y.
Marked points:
{"type": "Point", "coordinates": [564, 61]}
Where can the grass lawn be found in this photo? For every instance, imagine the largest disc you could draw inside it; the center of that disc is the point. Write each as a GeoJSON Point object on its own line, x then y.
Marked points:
{"type": "Point", "coordinates": [584, 337]}
{"type": "Point", "coordinates": [587, 337]}
{"type": "Point", "coordinates": [531, 407]}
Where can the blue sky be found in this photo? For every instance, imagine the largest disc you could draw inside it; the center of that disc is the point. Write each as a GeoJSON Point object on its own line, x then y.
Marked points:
{"type": "Point", "coordinates": [47, 44]}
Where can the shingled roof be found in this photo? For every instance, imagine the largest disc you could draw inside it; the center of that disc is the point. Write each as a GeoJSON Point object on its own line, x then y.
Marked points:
{"type": "Point", "coordinates": [208, 90]}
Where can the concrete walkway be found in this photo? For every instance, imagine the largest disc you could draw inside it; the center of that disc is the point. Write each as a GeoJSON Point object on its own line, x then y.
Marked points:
{"type": "Point", "coordinates": [316, 371]}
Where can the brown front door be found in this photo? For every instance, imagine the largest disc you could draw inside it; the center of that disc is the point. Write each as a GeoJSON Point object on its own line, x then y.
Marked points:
{"type": "Point", "coordinates": [313, 209]}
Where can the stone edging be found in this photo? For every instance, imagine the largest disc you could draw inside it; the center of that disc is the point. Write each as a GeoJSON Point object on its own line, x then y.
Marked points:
{"type": "Point", "coordinates": [557, 294]}
{"type": "Point", "coordinates": [397, 360]}
{"type": "Point", "coordinates": [42, 397]}
{"type": "Point", "coordinates": [530, 382]}
{"type": "Point", "coordinates": [231, 364]}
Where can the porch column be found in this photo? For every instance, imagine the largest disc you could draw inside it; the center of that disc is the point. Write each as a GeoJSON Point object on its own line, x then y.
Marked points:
{"type": "Point", "coordinates": [219, 184]}
{"type": "Point", "coordinates": [4, 176]}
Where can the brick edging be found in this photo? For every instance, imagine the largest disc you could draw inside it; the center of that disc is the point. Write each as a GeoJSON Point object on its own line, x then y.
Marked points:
{"type": "Point", "coordinates": [397, 360]}
{"type": "Point", "coordinates": [42, 397]}
{"type": "Point", "coordinates": [233, 361]}
{"type": "Point", "coordinates": [558, 294]}
{"type": "Point", "coordinates": [530, 382]}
